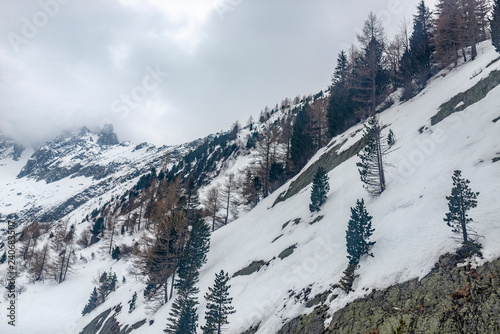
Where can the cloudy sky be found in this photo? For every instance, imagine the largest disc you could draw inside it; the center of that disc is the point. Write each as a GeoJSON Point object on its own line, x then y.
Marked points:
{"type": "Point", "coordinates": [168, 71]}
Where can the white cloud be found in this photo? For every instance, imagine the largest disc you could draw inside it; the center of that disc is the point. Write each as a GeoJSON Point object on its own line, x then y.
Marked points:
{"type": "Point", "coordinates": [226, 60]}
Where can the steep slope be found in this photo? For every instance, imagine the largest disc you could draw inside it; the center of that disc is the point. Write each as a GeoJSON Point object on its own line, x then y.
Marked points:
{"type": "Point", "coordinates": [291, 256]}
{"type": "Point", "coordinates": [77, 168]}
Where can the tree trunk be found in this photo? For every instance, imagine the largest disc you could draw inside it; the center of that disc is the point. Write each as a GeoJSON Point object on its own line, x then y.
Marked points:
{"type": "Point", "coordinates": [67, 263]}
{"type": "Point", "coordinates": [380, 162]}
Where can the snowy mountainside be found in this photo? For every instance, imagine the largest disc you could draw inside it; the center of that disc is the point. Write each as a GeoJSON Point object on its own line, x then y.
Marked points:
{"type": "Point", "coordinates": [408, 217]}
{"type": "Point", "coordinates": [73, 169]}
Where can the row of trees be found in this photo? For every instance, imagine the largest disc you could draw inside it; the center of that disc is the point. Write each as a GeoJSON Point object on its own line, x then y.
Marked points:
{"type": "Point", "coordinates": [367, 73]}
{"type": "Point", "coordinates": [106, 284]}
{"type": "Point", "coordinates": [359, 228]}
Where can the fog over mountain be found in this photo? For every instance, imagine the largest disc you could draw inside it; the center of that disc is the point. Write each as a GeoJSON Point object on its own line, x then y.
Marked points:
{"type": "Point", "coordinates": [163, 71]}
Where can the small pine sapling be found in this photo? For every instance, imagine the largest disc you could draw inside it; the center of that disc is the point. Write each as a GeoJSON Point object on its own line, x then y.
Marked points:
{"type": "Point", "coordinates": [132, 302]}
{"type": "Point", "coordinates": [319, 190]}
{"type": "Point", "coordinates": [92, 303]}
{"type": "Point", "coordinates": [461, 200]}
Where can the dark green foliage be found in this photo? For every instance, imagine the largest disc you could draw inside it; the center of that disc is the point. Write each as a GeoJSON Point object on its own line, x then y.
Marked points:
{"type": "Point", "coordinates": [301, 142]}
{"type": "Point", "coordinates": [149, 290]}
{"type": "Point", "coordinates": [191, 201]}
{"type": "Point", "coordinates": [116, 253]}
{"type": "Point", "coordinates": [183, 318]}
{"type": "Point", "coordinates": [146, 180]}
{"type": "Point", "coordinates": [94, 213]}
{"type": "Point", "coordinates": [416, 63]}
{"type": "Point", "coordinates": [341, 106]}
{"type": "Point", "coordinates": [218, 305]}
{"type": "Point", "coordinates": [371, 167]}
{"type": "Point", "coordinates": [92, 303]}
{"type": "Point", "coordinates": [196, 248]}
{"type": "Point", "coordinates": [391, 138]}
{"type": "Point", "coordinates": [276, 172]}
{"type": "Point", "coordinates": [98, 227]}
{"type": "Point", "coordinates": [107, 283]}
{"type": "Point", "coordinates": [359, 231]}
{"type": "Point", "coordinates": [495, 25]}
{"type": "Point", "coordinates": [113, 282]}
{"type": "Point", "coordinates": [319, 190]}
{"type": "Point", "coordinates": [462, 199]}
{"type": "Point", "coordinates": [347, 280]}
{"type": "Point", "coordinates": [132, 302]}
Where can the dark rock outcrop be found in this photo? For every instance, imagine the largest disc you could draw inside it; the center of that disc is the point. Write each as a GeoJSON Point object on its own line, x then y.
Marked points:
{"type": "Point", "coordinates": [451, 299]}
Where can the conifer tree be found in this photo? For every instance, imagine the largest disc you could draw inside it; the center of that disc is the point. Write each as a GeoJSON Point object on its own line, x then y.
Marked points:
{"type": "Point", "coordinates": [495, 25]}
{"type": "Point", "coordinates": [340, 110]}
{"type": "Point", "coordinates": [319, 190]}
{"type": "Point", "coordinates": [420, 45]}
{"type": "Point", "coordinates": [371, 167]}
{"type": "Point", "coordinates": [132, 302]}
{"type": "Point", "coordinates": [92, 303]}
{"type": "Point", "coordinates": [218, 305]}
{"type": "Point", "coordinates": [462, 199]}
{"type": "Point", "coordinates": [359, 231]}
{"type": "Point", "coordinates": [183, 318]}
{"type": "Point", "coordinates": [115, 255]}
{"type": "Point", "coordinates": [113, 282]}
{"type": "Point", "coordinates": [301, 141]}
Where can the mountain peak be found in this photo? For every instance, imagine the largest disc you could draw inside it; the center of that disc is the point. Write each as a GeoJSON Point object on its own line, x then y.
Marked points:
{"type": "Point", "coordinates": [107, 136]}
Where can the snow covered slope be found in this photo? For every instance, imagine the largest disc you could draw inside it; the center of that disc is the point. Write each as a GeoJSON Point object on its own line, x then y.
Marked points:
{"type": "Point", "coordinates": [77, 168]}
{"type": "Point", "coordinates": [410, 233]}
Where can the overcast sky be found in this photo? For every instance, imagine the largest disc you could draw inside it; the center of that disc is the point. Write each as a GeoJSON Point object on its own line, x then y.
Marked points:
{"type": "Point", "coordinates": [168, 71]}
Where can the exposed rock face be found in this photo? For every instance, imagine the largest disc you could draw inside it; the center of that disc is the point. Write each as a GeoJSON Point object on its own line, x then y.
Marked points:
{"type": "Point", "coordinates": [103, 167]}
{"type": "Point", "coordinates": [449, 300]}
{"type": "Point", "coordinates": [463, 100]}
{"type": "Point", "coordinates": [307, 324]}
{"type": "Point", "coordinates": [107, 136]}
{"type": "Point", "coordinates": [10, 149]}
{"type": "Point", "coordinates": [99, 325]}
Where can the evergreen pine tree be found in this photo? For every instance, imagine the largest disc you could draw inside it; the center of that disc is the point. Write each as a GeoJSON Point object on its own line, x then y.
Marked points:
{"type": "Point", "coordinates": [115, 255]}
{"type": "Point", "coordinates": [420, 42]}
{"type": "Point", "coordinates": [183, 318]}
{"type": "Point", "coordinates": [113, 282]}
{"type": "Point", "coordinates": [462, 199]}
{"type": "Point", "coordinates": [103, 287]}
{"type": "Point", "coordinates": [371, 167]}
{"type": "Point", "coordinates": [218, 305]}
{"type": "Point", "coordinates": [92, 303]}
{"type": "Point", "coordinates": [391, 138]}
{"type": "Point", "coordinates": [359, 231]}
{"type": "Point", "coordinates": [301, 141]}
{"type": "Point", "coordinates": [495, 25]}
{"type": "Point", "coordinates": [340, 110]}
{"type": "Point", "coordinates": [319, 190]}
{"type": "Point", "coordinates": [132, 302]}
